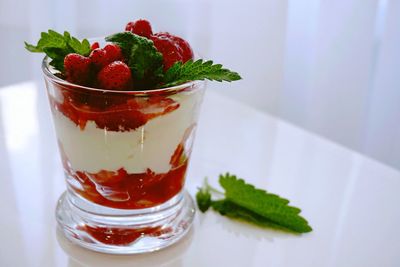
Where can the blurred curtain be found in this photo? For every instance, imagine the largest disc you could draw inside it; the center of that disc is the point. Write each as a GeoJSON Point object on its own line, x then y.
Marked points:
{"type": "Point", "coordinates": [332, 67]}
{"type": "Point", "coordinates": [342, 73]}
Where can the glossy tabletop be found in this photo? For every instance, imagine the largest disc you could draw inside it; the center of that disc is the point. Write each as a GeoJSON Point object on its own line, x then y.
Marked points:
{"type": "Point", "coordinates": [351, 201]}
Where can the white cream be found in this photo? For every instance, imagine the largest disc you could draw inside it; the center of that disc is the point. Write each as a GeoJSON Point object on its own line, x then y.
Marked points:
{"type": "Point", "coordinates": [149, 146]}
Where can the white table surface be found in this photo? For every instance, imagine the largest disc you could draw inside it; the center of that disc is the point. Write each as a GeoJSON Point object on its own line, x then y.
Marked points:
{"type": "Point", "coordinates": [351, 201]}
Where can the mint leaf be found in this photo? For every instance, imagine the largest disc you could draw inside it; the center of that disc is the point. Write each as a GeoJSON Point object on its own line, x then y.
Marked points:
{"type": "Point", "coordinates": [51, 39]}
{"type": "Point", "coordinates": [124, 40]}
{"type": "Point", "coordinates": [57, 55]}
{"type": "Point", "coordinates": [56, 46]}
{"type": "Point", "coordinates": [231, 210]}
{"type": "Point", "coordinates": [145, 62]}
{"type": "Point", "coordinates": [245, 202]}
{"type": "Point", "coordinates": [197, 70]}
{"type": "Point", "coordinates": [81, 48]}
{"type": "Point", "coordinates": [267, 205]}
{"type": "Point", "coordinates": [33, 48]}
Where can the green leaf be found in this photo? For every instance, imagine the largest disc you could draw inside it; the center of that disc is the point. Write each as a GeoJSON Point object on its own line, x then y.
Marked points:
{"type": "Point", "coordinates": [56, 46]}
{"type": "Point", "coordinates": [203, 198]}
{"type": "Point", "coordinates": [82, 48]}
{"type": "Point", "coordinates": [145, 62]}
{"type": "Point", "coordinates": [144, 58]}
{"type": "Point", "coordinates": [231, 210]}
{"type": "Point", "coordinates": [124, 40]}
{"type": "Point", "coordinates": [246, 203]}
{"type": "Point", "coordinates": [269, 206]}
{"type": "Point", "coordinates": [33, 48]}
{"type": "Point", "coordinates": [52, 39]}
{"type": "Point", "coordinates": [197, 70]}
{"type": "Point", "coordinates": [53, 52]}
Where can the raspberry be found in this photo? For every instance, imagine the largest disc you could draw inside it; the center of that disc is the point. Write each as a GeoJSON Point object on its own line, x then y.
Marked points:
{"type": "Point", "coordinates": [114, 52]}
{"type": "Point", "coordinates": [103, 56]}
{"type": "Point", "coordinates": [168, 48]}
{"type": "Point", "coordinates": [129, 26]}
{"type": "Point", "coordinates": [140, 27]}
{"type": "Point", "coordinates": [187, 52]}
{"type": "Point", "coordinates": [99, 58]}
{"type": "Point", "coordinates": [77, 69]}
{"type": "Point", "coordinates": [94, 46]}
{"type": "Point", "coordinates": [115, 76]}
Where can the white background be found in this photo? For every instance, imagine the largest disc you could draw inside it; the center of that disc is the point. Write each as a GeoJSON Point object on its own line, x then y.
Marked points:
{"type": "Point", "coordinates": [332, 67]}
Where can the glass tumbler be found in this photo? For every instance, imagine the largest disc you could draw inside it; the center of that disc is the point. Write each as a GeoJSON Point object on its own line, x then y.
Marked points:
{"type": "Point", "coordinates": [125, 155]}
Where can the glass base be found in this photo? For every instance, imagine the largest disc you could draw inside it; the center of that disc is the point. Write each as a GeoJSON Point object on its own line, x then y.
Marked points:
{"type": "Point", "coordinates": [125, 233]}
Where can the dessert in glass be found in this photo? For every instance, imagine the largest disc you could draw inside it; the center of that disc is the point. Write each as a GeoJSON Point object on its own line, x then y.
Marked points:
{"type": "Point", "coordinates": [125, 156]}
{"type": "Point", "coordinates": [125, 117]}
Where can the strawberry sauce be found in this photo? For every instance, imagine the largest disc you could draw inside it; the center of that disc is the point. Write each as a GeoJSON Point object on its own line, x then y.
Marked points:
{"type": "Point", "coordinates": [121, 190]}
{"type": "Point", "coordinates": [113, 112]}
{"type": "Point", "coordinates": [122, 236]}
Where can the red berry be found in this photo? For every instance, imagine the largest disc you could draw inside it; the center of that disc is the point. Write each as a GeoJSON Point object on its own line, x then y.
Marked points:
{"type": "Point", "coordinates": [114, 52]}
{"type": "Point", "coordinates": [115, 76]}
{"type": "Point", "coordinates": [168, 48]}
{"type": "Point", "coordinates": [94, 46]}
{"type": "Point", "coordinates": [103, 56]}
{"type": "Point", "coordinates": [140, 27]}
{"type": "Point", "coordinates": [77, 69]}
{"type": "Point", "coordinates": [99, 58]}
{"type": "Point", "coordinates": [186, 49]}
{"type": "Point", "coordinates": [187, 52]}
{"type": "Point", "coordinates": [129, 26]}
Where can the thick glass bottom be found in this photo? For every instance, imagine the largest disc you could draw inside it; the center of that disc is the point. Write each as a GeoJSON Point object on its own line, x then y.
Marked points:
{"type": "Point", "coordinates": [120, 231]}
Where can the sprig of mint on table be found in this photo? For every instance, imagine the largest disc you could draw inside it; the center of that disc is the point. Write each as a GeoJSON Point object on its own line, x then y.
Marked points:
{"type": "Point", "coordinates": [245, 202]}
{"type": "Point", "coordinates": [145, 62]}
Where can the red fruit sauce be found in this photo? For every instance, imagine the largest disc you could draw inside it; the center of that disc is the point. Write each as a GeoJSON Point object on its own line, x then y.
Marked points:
{"type": "Point", "coordinates": [131, 191]}
{"type": "Point", "coordinates": [110, 111]}
{"type": "Point", "coordinates": [122, 236]}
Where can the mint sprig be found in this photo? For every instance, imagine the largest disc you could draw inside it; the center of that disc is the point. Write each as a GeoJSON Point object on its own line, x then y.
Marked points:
{"type": "Point", "coordinates": [197, 70]}
{"type": "Point", "coordinates": [245, 202]}
{"type": "Point", "coordinates": [56, 46]}
{"type": "Point", "coordinates": [145, 62]}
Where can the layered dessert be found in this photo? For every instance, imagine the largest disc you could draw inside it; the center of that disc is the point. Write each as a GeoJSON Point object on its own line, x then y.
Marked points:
{"type": "Point", "coordinates": [125, 150]}
{"type": "Point", "coordinates": [125, 112]}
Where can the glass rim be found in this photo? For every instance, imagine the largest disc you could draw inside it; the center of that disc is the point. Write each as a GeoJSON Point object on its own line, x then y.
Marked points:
{"type": "Point", "coordinates": [167, 90]}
